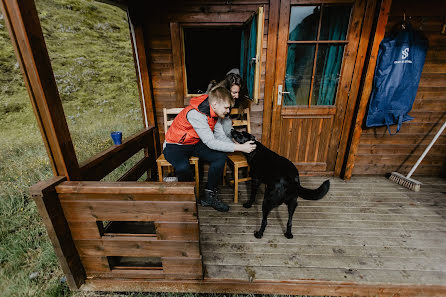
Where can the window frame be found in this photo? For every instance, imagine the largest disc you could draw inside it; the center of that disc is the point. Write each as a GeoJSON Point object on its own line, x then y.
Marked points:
{"type": "Point", "coordinates": [178, 52]}
{"type": "Point", "coordinates": [318, 42]}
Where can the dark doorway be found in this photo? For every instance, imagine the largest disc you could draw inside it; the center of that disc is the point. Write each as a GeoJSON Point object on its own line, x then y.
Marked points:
{"type": "Point", "coordinates": [209, 54]}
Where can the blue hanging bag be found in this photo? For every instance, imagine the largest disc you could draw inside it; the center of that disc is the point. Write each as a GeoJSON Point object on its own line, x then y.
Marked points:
{"type": "Point", "coordinates": [397, 75]}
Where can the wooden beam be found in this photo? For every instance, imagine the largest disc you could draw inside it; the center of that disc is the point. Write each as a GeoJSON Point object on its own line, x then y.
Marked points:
{"type": "Point", "coordinates": [50, 209]}
{"type": "Point", "coordinates": [279, 74]}
{"type": "Point", "coordinates": [365, 95]}
{"type": "Point", "coordinates": [195, 17]}
{"type": "Point", "coordinates": [302, 287]}
{"type": "Point", "coordinates": [175, 35]}
{"type": "Point", "coordinates": [27, 38]}
{"type": "Point", "coordinates": [93, 187]}
{"type": "Point", "coordinates": [142, 71]}
{"type": "Point", "coordinates": [273, 25]}
{"type": "Point", "coordinates": [105, 162]}
{"type": "Point", "coordinates": [356, 80]}
{"type": "Point", "coordinates": [136, 171]}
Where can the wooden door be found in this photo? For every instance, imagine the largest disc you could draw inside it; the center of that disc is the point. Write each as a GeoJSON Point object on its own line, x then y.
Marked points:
{"type": "Point", "coordinates": [317, 45]}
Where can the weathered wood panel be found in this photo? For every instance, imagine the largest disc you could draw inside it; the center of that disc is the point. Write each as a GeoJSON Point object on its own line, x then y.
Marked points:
{"type": "Point", "coordinates": [133, 229]}
{"type": "Point", "coordinates": [129, 210]}
{"type": "Point", "coordinates": [380, 153]}
{"type": "Point", "coordinates": [137, 247]}
{"type": "Point", "coordinates": [368, 230]}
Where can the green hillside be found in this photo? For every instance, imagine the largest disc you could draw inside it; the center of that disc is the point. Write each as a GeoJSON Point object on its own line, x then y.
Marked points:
{"type": "Point", "coordinates": [90, 50]}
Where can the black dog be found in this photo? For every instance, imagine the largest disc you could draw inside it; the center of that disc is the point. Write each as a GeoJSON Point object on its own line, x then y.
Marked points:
{"type": "Point", "coordinates": [281, 179]}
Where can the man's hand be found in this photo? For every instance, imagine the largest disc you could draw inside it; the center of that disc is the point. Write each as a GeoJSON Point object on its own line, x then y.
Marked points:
{"type": "Point", "coordinates": [247, 147]}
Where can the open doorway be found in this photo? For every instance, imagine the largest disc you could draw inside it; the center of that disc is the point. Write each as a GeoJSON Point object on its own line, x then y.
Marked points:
{"type": "Point", "coordinates": [209, 53]}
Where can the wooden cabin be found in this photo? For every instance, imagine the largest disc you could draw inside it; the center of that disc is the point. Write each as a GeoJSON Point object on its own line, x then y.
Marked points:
{"type": "Point", "coordinates": [367, 237]}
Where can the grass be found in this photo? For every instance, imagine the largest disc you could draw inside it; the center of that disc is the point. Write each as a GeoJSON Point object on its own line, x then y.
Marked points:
{"type": "Point", "coordinates": [90, 51]}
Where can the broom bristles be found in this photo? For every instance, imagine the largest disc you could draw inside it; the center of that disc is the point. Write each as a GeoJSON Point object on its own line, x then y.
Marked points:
{"type": "Point", "coordinates": [407, 182]}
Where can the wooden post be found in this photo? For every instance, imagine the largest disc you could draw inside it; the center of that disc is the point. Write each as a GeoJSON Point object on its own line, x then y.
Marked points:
{"type": "Point", "coordinates": [27, 38]}
{"type": "Point", "coordinates": [356, 80]}
{"type": "Point", "coordinates": [142, 73]}
{"type": "Point", "coordinates": [270, 68]}
{"type": "Point", "coordinates": [144, 84]}
{"type": "Point", "coordinates": [379, 34]}
{"type": "Point", "coordinates": [50, 209]}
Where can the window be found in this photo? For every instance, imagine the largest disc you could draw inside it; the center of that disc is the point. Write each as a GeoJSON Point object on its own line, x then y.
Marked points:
{"type": "Point", "coordinates": [316, 41]}
{"type": "Point", "coordinates": [210, 52]}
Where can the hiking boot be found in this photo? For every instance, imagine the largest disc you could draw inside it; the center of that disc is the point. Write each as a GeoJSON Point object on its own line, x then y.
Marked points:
{"type": "Point", "coordinates": [212, 200]}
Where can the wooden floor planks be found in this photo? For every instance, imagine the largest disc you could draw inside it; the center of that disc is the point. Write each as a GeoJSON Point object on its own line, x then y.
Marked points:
{"type": "Point", "coordinates": [367, 230]}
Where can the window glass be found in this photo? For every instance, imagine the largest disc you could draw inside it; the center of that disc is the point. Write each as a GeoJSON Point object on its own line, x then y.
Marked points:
{"type": "Point", "coordinates": [326, 77]}
{"type": "Point", "coordinates": [304, 22]}
{"type": "Point", "coordinates": [335, 22]}
{"type": "Point", "coordinates": [299, 69]}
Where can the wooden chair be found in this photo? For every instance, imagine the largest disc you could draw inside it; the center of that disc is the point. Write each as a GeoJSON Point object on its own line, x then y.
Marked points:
{"type": "Point", "coordinates": [237, 160]}
{"type": "Point", "coordinates": [162, 162]}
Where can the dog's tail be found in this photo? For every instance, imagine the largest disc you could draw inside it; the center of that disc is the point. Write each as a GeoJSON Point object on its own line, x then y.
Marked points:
{"type": "Point", "coordinates": [316, 194]}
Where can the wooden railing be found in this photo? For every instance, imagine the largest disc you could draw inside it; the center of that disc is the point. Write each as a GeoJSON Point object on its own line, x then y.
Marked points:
{"type": "Point", "coordinates": [99, 166]}
{"type": "Point", "coordinates": [123, 229]}
{"type": "Point", "coordinates": [134, 229]}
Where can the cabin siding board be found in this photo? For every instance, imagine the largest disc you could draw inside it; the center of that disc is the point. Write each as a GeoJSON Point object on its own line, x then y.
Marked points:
{"type": "Point", "coordinates": [379, 152]}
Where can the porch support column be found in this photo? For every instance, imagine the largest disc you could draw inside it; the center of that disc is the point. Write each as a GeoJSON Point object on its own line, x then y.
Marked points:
{"type": "Point", "coordinates": [364, 38]}
{"type": "Point", "coordinates": [50, 209]}
{"type": "Point", "coordinates": [368, 84]}
{"type": "Point", "coordinates": [142, 74]}
{"type": "Point", "coordinates": [27, 38]}
{"type": "Point", "coordinates": [269, 93]}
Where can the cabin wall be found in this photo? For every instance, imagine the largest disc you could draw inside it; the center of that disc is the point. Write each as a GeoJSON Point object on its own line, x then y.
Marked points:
{"type": "Point", "coordinates": [160, 53]}
{"type": "Point", "coordinates": [379, 152]}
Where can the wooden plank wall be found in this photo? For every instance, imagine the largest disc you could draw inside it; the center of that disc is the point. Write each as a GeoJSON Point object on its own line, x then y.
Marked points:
{"type": "Point", "coordinates": [157, 30]}
{"type": "Point", "coordinates": [380, 153]}
{"type": "Point", "coordinates": [171, 208]}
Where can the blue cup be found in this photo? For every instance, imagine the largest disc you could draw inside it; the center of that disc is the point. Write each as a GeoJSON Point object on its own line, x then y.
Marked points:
{"type": "Point", "coordinates": [117, 137]}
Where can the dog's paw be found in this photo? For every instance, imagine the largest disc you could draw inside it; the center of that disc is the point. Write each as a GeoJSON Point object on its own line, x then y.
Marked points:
{"type": "Point", "coordinates": [247, 205]}
{"type": "Point", "coordinates": [257, 234]}
{"type": "Point", "coordinates": [288, 235]}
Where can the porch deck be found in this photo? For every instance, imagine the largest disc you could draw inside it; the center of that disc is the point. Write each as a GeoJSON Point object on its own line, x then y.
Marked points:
{"type": "Point", "coordinates": [367, 231]}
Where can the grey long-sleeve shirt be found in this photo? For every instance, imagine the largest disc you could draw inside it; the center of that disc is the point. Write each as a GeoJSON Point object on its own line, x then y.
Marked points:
{"type": "Point", "coordinates": [216, 140]}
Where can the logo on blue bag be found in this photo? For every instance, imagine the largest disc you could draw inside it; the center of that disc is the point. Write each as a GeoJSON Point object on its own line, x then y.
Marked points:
{"type": "Point", "coordinates": [404, 55]}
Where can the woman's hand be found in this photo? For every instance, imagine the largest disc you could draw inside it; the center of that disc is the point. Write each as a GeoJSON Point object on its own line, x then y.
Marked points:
{"type": "Point", "coordinates": [247, 147]}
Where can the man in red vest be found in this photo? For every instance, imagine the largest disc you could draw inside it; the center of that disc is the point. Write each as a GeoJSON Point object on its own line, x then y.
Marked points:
{"type": "Point", "coordinates": [197, 131]}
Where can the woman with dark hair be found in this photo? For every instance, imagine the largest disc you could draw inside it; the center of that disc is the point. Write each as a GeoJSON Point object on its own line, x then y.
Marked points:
{"type": "Point", "coordinates": [232, 82]}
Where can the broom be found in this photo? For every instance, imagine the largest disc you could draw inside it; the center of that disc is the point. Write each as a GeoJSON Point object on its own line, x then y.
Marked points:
{"type": "Point", "coordinates": [408, 182]}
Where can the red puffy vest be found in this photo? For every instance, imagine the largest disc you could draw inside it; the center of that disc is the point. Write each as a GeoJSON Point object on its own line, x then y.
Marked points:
{"type": "Point", "coordinates": [181, 131]}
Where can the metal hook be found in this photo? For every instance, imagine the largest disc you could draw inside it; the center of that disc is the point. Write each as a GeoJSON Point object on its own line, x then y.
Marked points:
{"type": "Point", "coordinates": [403, 25]}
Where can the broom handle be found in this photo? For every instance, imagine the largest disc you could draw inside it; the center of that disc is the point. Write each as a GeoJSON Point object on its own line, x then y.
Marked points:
{"type": "Point", "coordinates": [426, 150]}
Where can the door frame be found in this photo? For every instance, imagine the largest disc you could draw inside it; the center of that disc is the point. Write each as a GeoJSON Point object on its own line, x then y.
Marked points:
{"type": "Point", "coordinates": [279, 18]}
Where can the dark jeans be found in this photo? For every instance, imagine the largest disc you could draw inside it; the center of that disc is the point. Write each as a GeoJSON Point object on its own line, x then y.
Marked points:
{"type": "Point", "coordinates": [178, 156]}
